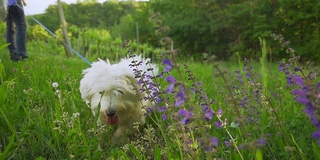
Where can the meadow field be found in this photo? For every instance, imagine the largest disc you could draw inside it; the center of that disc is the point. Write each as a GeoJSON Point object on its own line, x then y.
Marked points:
{"type": "Point", "coordinates": [237, 109]}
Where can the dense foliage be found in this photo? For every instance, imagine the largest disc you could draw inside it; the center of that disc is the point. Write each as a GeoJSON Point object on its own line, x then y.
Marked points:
{"type": "Point", "coordinates": [215, 27]}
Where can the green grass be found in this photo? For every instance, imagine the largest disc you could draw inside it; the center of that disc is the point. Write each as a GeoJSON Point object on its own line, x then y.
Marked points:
{"type": "Point", "coordinates": [38, 123]}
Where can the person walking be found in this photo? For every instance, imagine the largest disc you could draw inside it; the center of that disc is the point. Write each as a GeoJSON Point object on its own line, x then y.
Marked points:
{"type": "Point", "coordinates": [16, 30]}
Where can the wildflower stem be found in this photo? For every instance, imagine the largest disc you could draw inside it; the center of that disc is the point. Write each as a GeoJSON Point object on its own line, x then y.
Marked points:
{"type": "Point", "coordinates": [235, 103]}
{"type": "Point", "coordinates": [273, 109]}
{"type": "Point", "coordinates": [199, 90]}
{"type": "Point", "coordinates": [178, 69]}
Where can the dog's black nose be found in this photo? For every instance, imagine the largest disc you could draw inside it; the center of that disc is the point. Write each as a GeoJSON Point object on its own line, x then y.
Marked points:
{"type": "Point", "coordinates": [111, 113]}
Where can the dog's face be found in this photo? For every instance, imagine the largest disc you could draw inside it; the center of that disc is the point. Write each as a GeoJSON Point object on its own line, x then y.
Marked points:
{"type": "Point", "coordinates": [113, 89]}
{"type": "Point", "coordinates": [122, 99]}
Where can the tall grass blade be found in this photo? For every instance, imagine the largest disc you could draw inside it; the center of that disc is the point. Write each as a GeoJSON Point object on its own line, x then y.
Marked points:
{"type": "Point", "coordinates": [303, 156]}
{"type": "Point", "coordinates": [4, 155]}
{"type": "Point", "coordinates": [259, 155]}
{"type": "Point", "coordinates": [4, 46]}
{"type": "Point", "coordinates": [263, 62]}
{"type": "Point", "coordinates": [316, 150]}
{"type": "Point", "coordinates": [12, 137]}
{"type": "Point", "coordinates": [157, 153]}
{"type": "Point", "coordinates": [135, 152]}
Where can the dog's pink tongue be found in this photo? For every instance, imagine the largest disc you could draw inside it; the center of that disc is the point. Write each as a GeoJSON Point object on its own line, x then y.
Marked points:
{"type": "Point", "coordinates": [112, 120]}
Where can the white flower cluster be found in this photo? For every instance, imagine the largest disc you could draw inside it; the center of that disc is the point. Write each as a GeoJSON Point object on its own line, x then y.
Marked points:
{"type": "Point", "coordinates": [57, 92]}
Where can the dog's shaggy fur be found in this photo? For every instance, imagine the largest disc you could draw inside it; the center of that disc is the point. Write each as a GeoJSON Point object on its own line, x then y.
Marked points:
{"type": "Point", "coordinates": [115, 88]}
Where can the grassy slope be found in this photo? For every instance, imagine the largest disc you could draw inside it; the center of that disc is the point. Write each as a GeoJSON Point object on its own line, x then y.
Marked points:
{"type": "Point", "coordinates": [44, 125]}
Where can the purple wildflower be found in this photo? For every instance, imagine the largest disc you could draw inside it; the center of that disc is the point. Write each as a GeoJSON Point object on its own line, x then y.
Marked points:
{"type": "Point", "coordinates": [287, 65]}
{"type": "Point", "coordinates": [149, 109]}
{"type": "Point", "coordinates": [163, 109]}
{"type": "Point", "coordinates": [170, 89]}
{"type": "Point", "coordinates": [208, 143]}
{"type": "Point", "coordinates": [227, 144]}
{"type": "Point", "coordinates": [158, 99]}
{"type": "Point", "coordinates": [183, 112]}
{"type": "Point", "coordinates": [208, 112]}
{"type": "Point", "coordinates": [168, 65]}
{"type": "Point", "coordinates": [289, 80]}
{"type": "Point", "coordinates": [193, 90]}
{"type": "Point", "coordinates": [186, 114]}
{"type": "Point", "coordinates": [185, 121]}
{"type": "Point", "coordinates": [309, 110]}
{"type": "Point", "coordinates": [298, 80]}
{"type": "Point", "coordinates": [299, 92]}
{"type": "Point", "coordinates": [160, 75]}
{"type": "Point", "coordinates": [239, 76]}
{"type": "Point", "coordinates": [248, 75]}
{"type": "Point", "coordinates": [316, 134]}
{"type": "Point", "coordinates": [303, 100]}
{"type": "Point", "coordinates": [318, 90]}
{"type": "Point", "coordinates": [242, 103]}
{"type": "Point", "coordinates": [180, 97]}
{"type": "Point", "coordinates": [218, 124]}
{"type": "Point", "coordinates": [283, 67]}
{"type": "Point", "coordinates": [318, 87]}
{"type": "Point", "coordinates": [261, 142]}
{"type": "Point", "coordinates": [305, 89]}
{"type": "Point", "coordinates": [139, 63]}
{"type": "Point", "coordinates": [214, 141]}
{"type": "Point", "coordinates": [219, 113]}
{"type": "Point", "coordinates": [296, 69]}
{"type": "Point", "coordinates": [171, 79]}
{"type": "Point", "coordinates": [246, 61]}
{"type": "Point", "coordinates": [164, 117]}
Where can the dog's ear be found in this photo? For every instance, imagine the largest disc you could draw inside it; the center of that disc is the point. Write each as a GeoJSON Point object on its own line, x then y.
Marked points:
{"type": "Point", "coordinates": [85, 91]}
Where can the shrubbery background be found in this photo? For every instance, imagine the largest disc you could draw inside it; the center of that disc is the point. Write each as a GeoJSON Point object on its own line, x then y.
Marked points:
{"type": "Point", "coordinates": [214, 27]}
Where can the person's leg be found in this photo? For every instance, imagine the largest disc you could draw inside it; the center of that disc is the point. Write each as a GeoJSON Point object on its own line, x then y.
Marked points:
{"type": "Point", "coordinates": [21, 29]}
{"type": "Point", "coordinates": [10, 36]}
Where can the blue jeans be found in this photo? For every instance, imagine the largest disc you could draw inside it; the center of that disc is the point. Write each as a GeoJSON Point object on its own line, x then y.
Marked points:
{"type": "Point", "coordinates": [16, 33]}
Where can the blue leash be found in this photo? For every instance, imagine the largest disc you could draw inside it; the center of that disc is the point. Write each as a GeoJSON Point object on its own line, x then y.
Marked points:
{"type": "Point", "coordinates": [55, 36]}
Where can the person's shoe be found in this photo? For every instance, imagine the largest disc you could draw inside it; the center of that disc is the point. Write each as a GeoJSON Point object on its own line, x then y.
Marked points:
{"type": "Point", "coordinates": [15, 59]}
{"type": "Point", "coordinates": [24, 58]}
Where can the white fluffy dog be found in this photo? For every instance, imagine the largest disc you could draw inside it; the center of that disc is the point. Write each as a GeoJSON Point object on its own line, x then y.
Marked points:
{"type": "Point", "coordinates": [116, 89]}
